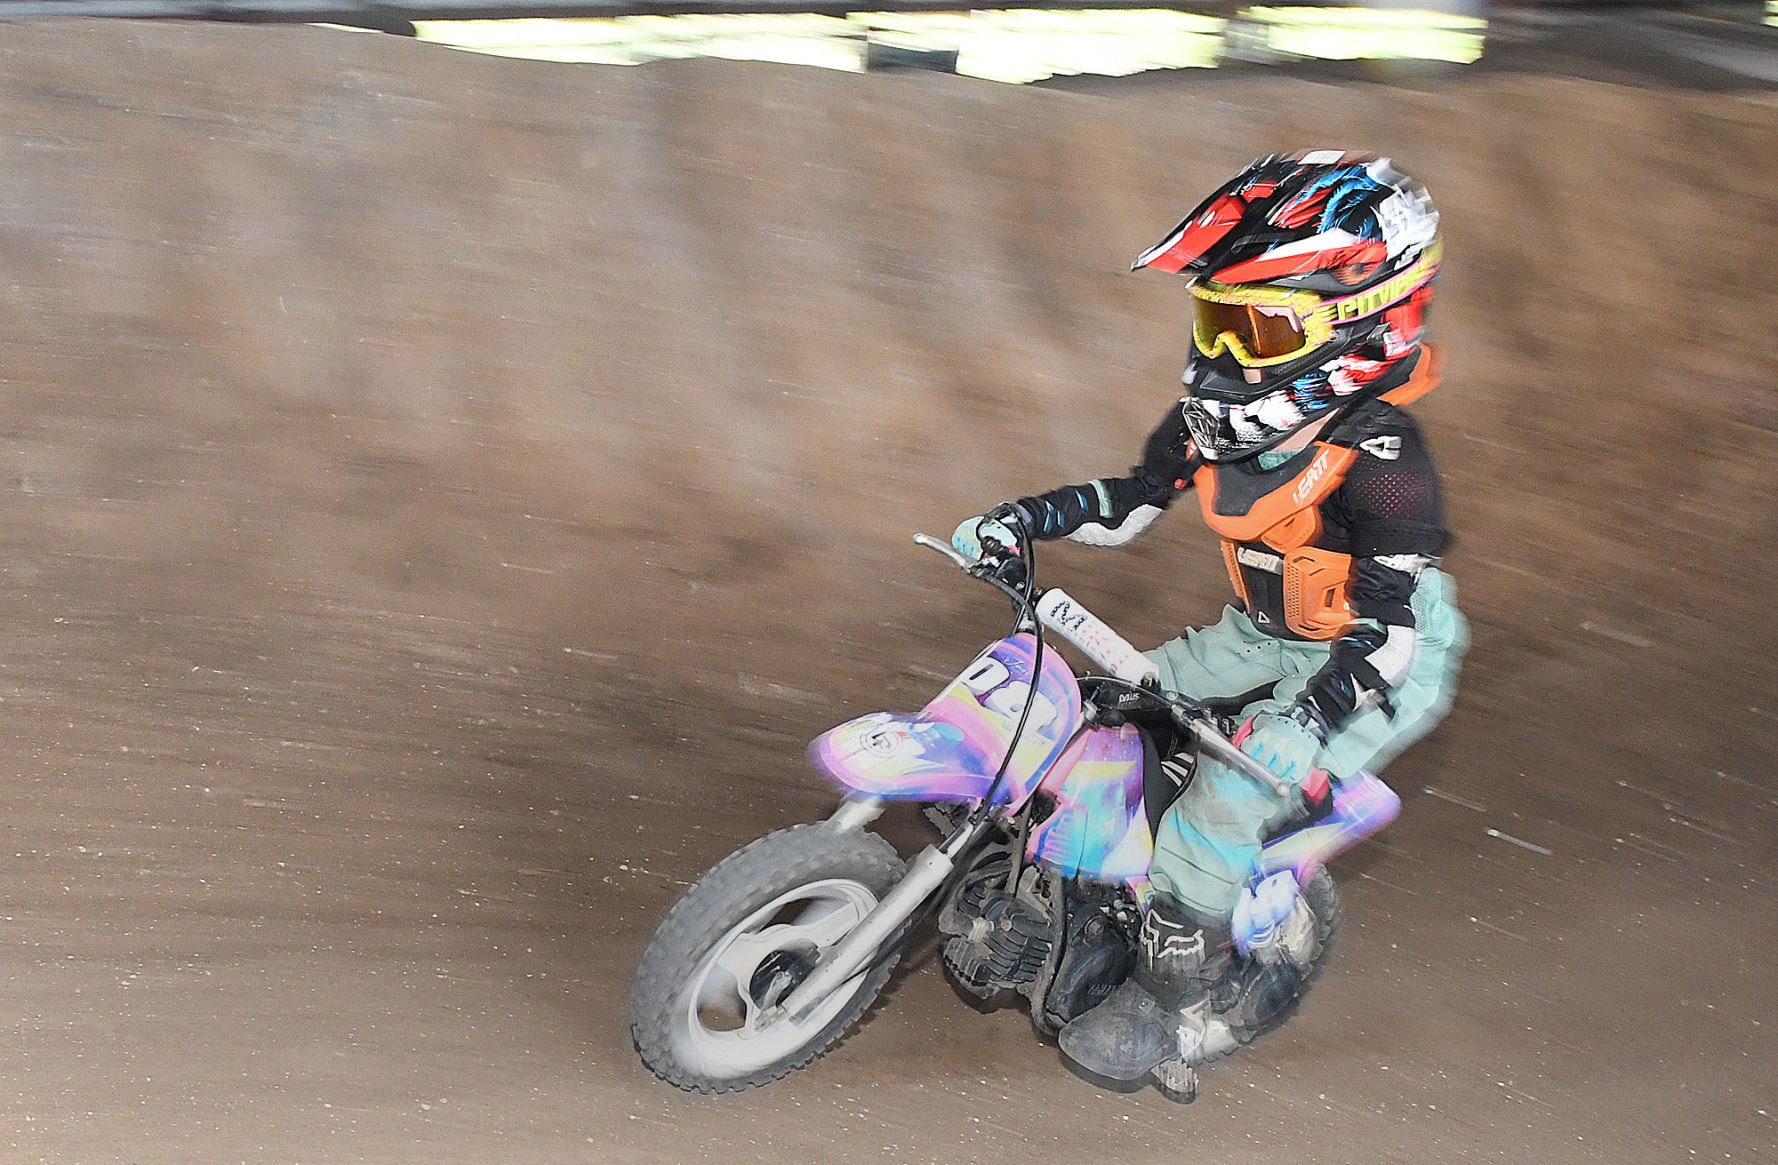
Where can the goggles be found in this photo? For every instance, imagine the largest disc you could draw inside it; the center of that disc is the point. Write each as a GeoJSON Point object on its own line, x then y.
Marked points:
{"type": "Point", "coordinates": [1262, 325]}
{"type": "Point", "coordinates": [1258, 326]}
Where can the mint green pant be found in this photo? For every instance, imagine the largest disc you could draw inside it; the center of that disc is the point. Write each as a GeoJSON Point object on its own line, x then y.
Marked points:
{"type": "Point", "coordinates": [1209, 838]}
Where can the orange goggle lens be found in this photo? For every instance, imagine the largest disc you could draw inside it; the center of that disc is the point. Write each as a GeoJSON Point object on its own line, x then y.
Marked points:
{"type": "Point", "coordinates": [1260, 332]}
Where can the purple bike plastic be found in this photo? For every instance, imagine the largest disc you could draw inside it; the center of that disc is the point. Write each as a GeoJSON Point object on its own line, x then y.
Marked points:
{"type": "Point", "coordinates": [1362, 806]}
{"type": "Point", "coordinates": [951, 749]}
{"type": "Point", "coordinates": [1099, 829]}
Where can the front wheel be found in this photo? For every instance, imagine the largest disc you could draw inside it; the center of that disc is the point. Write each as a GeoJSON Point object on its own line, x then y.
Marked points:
{"type": "Point", "coordinates": [740, 941]}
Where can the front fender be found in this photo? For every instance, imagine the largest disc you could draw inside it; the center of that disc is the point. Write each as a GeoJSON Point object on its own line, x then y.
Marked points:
{"type": "Point", "coordinates": [903, 758]}
{"type": "Point", "coordinates": [951, 749]}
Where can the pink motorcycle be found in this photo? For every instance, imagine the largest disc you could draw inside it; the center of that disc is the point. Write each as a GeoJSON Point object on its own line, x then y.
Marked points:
{"type": "Point", "coordinates": [1047, 786]}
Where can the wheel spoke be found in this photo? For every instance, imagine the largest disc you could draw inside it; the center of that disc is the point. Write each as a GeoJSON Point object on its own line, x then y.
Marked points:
{"type": "Point", "coordinates": [823, 931]}
{"type": "Point", "coordinates": [741, 959]}
{"type": "Point", "coordinates": [749, 1018]}
{"type": "Point", "coordinates": [744, 954]}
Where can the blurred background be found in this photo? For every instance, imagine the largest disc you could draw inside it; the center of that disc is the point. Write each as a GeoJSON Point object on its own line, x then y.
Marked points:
{"type": "Point", "coordinates": [445, 491]}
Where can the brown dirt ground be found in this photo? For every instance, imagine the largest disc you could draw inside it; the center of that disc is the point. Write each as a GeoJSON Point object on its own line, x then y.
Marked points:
{"type": "Point", "coordinates": [443, 494]}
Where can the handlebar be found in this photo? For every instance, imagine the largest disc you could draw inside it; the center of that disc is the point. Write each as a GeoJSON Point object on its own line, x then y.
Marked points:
{"type": "Point", "coordinates": [998, 570]}
{"type": "Point", "coordinates": [1190, 716]}
{"type": "Point", "coordinates": [1056, 610]}
{"type": "Point", "coordinates": [1064, 615]}
{"type": "Point", "coordinates": [1224, 750]}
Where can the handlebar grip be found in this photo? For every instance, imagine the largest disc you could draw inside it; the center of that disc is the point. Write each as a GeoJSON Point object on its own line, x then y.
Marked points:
{"type": "Point", "coordinates": [1226, 751]}
{"type": "Point", "coordinates": [1105, 647]}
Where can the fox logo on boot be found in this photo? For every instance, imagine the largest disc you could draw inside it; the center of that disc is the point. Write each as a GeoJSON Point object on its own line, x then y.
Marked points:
{"type": "Point", "coordinates": [1164, 940]}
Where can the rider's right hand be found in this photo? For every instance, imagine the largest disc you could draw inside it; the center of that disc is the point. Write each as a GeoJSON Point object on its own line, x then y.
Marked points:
{"type": "Point", "coordinates": [1285, 744]}
{"type": "Point", "coordinates": [971, 532]}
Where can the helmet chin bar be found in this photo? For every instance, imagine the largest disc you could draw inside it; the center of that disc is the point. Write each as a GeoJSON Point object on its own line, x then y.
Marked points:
{"type": "Point", "coordinates": [1229, 425]}
{"type": "Point", "coordinates": [1221, 439]}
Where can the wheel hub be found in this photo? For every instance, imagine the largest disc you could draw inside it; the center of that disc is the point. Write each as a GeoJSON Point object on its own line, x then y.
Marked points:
{"type": "Point", "coordinates": [778, 975]}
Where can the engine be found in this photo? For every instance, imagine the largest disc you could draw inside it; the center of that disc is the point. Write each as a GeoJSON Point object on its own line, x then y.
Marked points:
{"type": "Point", "coordinates": [998, 942]}
{"type": "Point", "coordinates": [1064, 945]}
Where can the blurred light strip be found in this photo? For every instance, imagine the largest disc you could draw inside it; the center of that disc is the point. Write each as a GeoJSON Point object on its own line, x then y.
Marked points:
{"type": "Point", "coordinates": [1024, 44]}
{"type": "Point", "coordinates": [1348, 34]}
{"type": "Point", "coordinates": [829, 42]}
{"type": "Point", "coordinates": [1011, 45]}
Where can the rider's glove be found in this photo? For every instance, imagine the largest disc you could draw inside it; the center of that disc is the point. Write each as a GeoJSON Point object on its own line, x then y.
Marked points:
{"type": "Point", "coordinates": [1286, 744]}
{"type": "Point", "coordinates": [995, 524]}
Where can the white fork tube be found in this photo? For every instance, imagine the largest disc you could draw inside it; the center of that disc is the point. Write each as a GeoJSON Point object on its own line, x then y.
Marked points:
{"type": "Point", "coordinates": [928, 870]}
{"type": "Point", "coordinates": [855, 813]}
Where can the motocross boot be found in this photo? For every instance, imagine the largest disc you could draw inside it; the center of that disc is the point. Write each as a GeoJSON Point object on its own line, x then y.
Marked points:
{"type": "Point", "coordinates": [1163, 1012]}
{"type": "Point", "coordinates": [1254, 993]}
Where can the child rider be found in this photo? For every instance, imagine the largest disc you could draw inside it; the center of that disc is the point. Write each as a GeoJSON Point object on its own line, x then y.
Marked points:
{"type": "Point", "coordinates": [1309, 276]}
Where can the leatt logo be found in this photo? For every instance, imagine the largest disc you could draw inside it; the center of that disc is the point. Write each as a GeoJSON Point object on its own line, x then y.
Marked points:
{"type": "Point", "coordinates": [1305, 485]}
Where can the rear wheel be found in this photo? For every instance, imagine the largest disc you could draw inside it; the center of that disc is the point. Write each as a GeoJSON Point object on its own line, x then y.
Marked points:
{"type": "Point", "coordinates": [740, 941]}
{"type": "Point", "coordinates": [1308, 939]}
{"type": "Point", "coordinates": [1310, 948]}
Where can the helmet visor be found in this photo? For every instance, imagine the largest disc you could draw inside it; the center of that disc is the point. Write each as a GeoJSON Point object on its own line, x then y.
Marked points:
{"type": "Point", "coordinates": [1257, 326]}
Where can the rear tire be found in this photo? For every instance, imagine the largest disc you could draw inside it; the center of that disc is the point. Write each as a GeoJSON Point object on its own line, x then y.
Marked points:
{"type": "Point", "coordinates": [763, 914]}
{"type": "Point", "coordinates": [1322, 897]}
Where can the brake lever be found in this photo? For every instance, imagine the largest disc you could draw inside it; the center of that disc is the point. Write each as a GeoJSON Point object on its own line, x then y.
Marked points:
{"type": "Point", "coordinates": [1194, 718]}
{"type": "Point", "coordinates": [994, 574]}
{"type": "Point", "coordinates": [946, 549]}
{"type": "Point", "coordinates": [1010, 569]}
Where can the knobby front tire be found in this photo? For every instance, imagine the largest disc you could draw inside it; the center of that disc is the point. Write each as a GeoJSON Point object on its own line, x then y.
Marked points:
{"type": "Point", "coordinates": [740, 940]}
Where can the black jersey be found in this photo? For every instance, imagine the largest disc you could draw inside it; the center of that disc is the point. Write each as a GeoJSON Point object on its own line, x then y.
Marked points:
{"type": "Point", "coordinates": [1386, 513]}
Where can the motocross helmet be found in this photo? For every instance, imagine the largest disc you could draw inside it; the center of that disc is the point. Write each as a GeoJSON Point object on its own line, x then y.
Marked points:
{"type": "Point", "coordinates": [1310, 278]}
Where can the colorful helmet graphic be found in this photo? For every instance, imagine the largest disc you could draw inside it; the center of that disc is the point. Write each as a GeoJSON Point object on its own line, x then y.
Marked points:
{"type": "Point", "coordinates": [1310, 278]}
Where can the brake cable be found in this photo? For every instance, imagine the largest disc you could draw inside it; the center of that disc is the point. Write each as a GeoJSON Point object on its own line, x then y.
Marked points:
{"type": "Point", "coordinates": [1024, 613]}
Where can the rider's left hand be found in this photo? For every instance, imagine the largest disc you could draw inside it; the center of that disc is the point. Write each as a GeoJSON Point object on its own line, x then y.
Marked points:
{"type": "Point", "coordinates": [971, 532]}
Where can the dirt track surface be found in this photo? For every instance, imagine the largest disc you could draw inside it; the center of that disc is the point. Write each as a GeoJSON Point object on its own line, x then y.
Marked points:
{"type": "Point", "coordinates": [442, 496]}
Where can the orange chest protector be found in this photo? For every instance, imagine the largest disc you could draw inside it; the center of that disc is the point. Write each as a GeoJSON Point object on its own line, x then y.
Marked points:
{"type": "Point", "coordinates": [1276, 532]}
{"type": "Point", "coordinates": [1273, 526]}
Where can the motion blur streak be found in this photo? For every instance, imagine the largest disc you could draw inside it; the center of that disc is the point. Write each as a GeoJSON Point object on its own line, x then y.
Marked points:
{"type": "Point", "coordinates": [1014, 46]}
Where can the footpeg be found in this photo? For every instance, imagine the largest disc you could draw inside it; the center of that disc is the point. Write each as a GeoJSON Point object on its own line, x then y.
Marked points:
{"type": "Point", "coordinates": [1177, 1081]}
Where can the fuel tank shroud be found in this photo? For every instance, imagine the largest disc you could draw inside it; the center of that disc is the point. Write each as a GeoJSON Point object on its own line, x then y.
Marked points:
{"type": "Point", "coordinates": [951, 749]}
